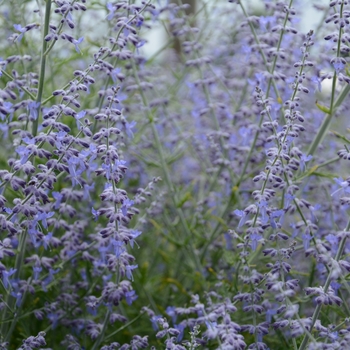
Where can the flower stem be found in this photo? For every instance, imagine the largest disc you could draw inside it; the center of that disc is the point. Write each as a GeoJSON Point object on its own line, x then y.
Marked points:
{"type": "Point", "coordinates": [42, 66]}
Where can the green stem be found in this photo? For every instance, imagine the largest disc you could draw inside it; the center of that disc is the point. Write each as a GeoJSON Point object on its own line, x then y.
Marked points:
{"type": "Point", "coordinates": [325, 288]}
{"type": "Point", "coordinates": [271, 81]}
{"type": "Point", "coordinates": [328, 118]}
{"type": "Point", "coordinates": [10, 301]}
{"type": "Point", "coordinates": [326, 122]}
{"type": "Point", "coordinates": [59, 31]}
{"type": "Point", "coordinates": [124, 326]}
{"type": "Point", "coordinates": [22, 87]}
{"type": "Point", "coordinates": [101, 336]}
{"type": "Point", "coordinates": [42, 65]}
{"type": "Point", "coordinates": [166, 173]}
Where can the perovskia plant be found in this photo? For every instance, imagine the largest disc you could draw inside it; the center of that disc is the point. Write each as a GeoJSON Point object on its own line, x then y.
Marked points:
{"type": "Point", "coordinates": [195, 198]}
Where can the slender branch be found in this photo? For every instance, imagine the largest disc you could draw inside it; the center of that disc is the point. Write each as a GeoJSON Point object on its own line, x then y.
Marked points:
{"type": "Point", "coordinates": [42, 66]}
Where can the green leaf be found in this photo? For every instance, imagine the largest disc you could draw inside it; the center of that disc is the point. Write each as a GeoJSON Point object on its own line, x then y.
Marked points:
{"type": "Point", "coordinates": [184, 199]}
{"type": "Point", "coordinates": [175, 157]}
{"type": "Point", "coordinates": [323, 108]}
{"type": "Point", "coordinates": [221, 221]}
{"type": "Point", "coordinates": [340, 136]}
{"type": "Point", "coordinates": [165, 235]}
{"type": "Point", "coordinates": [313, 171]}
